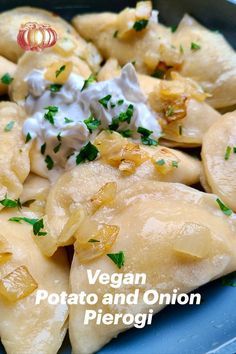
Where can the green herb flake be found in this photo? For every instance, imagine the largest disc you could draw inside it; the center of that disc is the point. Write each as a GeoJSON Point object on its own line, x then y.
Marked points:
{"type": "Point", "coordinates": [159, 74]}
{"type": "Point", "coordinates": [174, 28]}
{"type": "Point", "coordinates": [88, 152]}
{"type": "Point", "coordinates": [37, 226]}
{"type": "Point", "coordinates": [57, 148]}
{"type": "Point", "coordinates": [120, 102]}
{"type": "Point", "coordinates": [9, 203]}
{"type": "Point", "coordinates": [28, 138]}
{"type": "Point", "coordinates": [68, 120]}
{"type": "Point", "coordinates": [145, 132]}
{"type": "Point", "coordinates": [104, 101]}
{"type": "Point", "coordinates": [93, 240]}
{"type": "Point", "coordinates": [126, 133]}
{"type": "Point", "coordinates": [235, 149]}
{"type": "Point", "coordinates": [115, 124]}
{"type": "Point", "coordinates": [43, 148]}
{"type": "Point", "coordinates": [229, 280]}
{"type": "Point", "coordinates": [52, 110]}
{"type": "Point", "coordinates": [6, 79]}
{"type": "Point", "coordinates": [9, 126]}
{"type": "Point", "coordinates": [170, 111]}
{"type": "Point", "coordinates": [60, 70]}
{"type": "Point", "coordinates": [145, 138]}
{"type": "Point", "coordinates": [195, 46]}
{"type": "Point", "coordinates": [55, 87]}
{"type": "Point", "coordinates": [92, 123]}
{"type": "Point", "coordinates": [175, 164]}
{"type": "Point", "coordinates": [49, 162]}
{"type": "Point", "coordinates": [140, 25]}
{"type": "Point", "coordinates": [21, 218]}
{"type": "Point", "coordinates": [160, 162]}
{"type": "Point", "coordinates": [59, 136]}
{"type": "Point", "coordinates": [226, 210]}
{"type": "Point", "coordinates": [91, 79]}
{"type": "Point", "coordinates": [180, 130]}
{"type": "Point", "coordinates": [115, 34]}
{"type": "Point", "coordinates": [113, 105]}
{"type": "Point", "coordinates": [228, 152]}
{"type": "Point", "coordinates": [127, 115]}
{"type": "Point", "coordinates": [117, 258]}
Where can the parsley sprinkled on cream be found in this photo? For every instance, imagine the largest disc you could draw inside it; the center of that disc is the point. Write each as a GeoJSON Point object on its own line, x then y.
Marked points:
{"type": "Point", "coordinates": [140, 25]}
{"type": "Point", "coordinates": [9, 126]}
{"type": "Point", "coordinates": [226, 210]}
{"type": "Point", "coordinates": [55, 87]}
{"type": "Point", "coordinates": [6, 79]}
{"type": "Point", "coordinates": [126, 133]}
{"type": "Point", "coordinates": [49, 115]}
{"type": "Point", "coordinates": [235, 149]}
{"type": "Point", "coordinates": [91, 79]}
{"type": "Point", "coordinates": [49, 162]}
{"type": "Point", "coordinates": [117, 258]}
{"type": "Point", "coordinates": [104, 101]}
{"type": "Point", "coordinates": [60, 70]}
{"type": "Point", "coordinates": [160, 162]}
{"type": "Point", "coordinates": [88, 152]}
{"type": "Point", "coordinates": [228, 152]}
{"type": "Point", "coordinates": [43, 148]}
{"type": "Point", "coordinates": [195, 46]}
{"type": "Point", "coordinates": [68, 120]}
{"type": "Point", "coordinates": [92, 123]}
{"type": "Point", "coordinates": [28, 138]}
{"type": "Point", "coordinates": [145, 138]}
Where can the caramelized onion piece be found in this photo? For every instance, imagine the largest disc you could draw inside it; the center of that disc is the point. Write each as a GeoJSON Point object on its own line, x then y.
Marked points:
{"type": "Point", "coordinates": [17, 284]}
{"type": "Point", "coordinates": [104, 196]}
{"type": "Point", "coordinates": [5, 251]}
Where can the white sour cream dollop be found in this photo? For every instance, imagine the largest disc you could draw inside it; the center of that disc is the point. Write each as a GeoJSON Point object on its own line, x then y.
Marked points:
{"type": "Point", "coordinates": [74, 106]}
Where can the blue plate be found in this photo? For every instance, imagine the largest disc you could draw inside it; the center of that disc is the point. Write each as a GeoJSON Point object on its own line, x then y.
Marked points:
{"type": "Point", "coordinates": [211, 326]}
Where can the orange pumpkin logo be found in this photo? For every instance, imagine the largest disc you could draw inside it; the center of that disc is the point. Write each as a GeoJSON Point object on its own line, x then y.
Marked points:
{"type": "Point", "coordinates": [36, 37]}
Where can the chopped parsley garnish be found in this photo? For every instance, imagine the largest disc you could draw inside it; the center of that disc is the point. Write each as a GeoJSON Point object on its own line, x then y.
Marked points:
{"type": "Point", "coordinates": [28, 138]}
{"type": "Point", "coordinates": [133, 62]}
{"type": "Point", "coordinates": [115, 34]}
{"type": "Point", "coordinates": [159, 74]}
{"type": "Point", "coordinates": [228, 152]}
{"type": "Point", "coordinates": [235, 149]}
{"type": "Point", "coordinates": [174, 28]}
{"type": "Point", "coordinates": [88, 152]}
{"type": "Point", "coordinates": [88, 81]}
{"type": "Point", "coordinates": [6, 79]}
{"type": "Point", "coordinates": [68, 120]}
{"type": "Point", "coordinates": [93, 240]}
{"type": "Point", "coordinates": [52, 110]}
{"type": "Point", "coordinates": [113, 105]}
{"type": "Point", "coordinates": [229, 280]}
{"type": "Point", "coordinates": [36, 223]}
{"type": "Point", "coordinates": [104, 101]}
{"type": "Point", "coordinates": [9, 126]}
{"type": "Point", "coordinates": [115, 124]}
{"type": "Point", "coordinates": [59, 136]}
{"type": "Point", "coordinates": [145, 138]}
{"type": "Point", "coordinates": [160, 162]}
{"type": "Point", "coordinates": [117, 258]}
{"type": "Point", "coordinates": [175, 164]}
{"type": "Point", "coordinates": [120, 102]}
{"type": "Point", "coordinates": [195, 46]}
{"type": "Point", "coordinates": [126, 133]}
{"type": "Point", "coordinates": [140, 25]}
{"type": "Point", "coordinates": [9, 203]}
{"type": "Point", "coordinates": [170, 111]}
{"type": "Point", "coordinates": [180, 130]}
{"type": "Point", "coordinates": [127, 115]}
{"type": "Point", "coordinates": [60, 70]}
{"type": "Point", "coordinates": [57, 148]}
{"type": "Point", "coordinates": [55, 87]}
{"type": "Point", "coordinates": [226, 210]}
{"type": "Point", "coordinates": [43, 148]}
{"type": "Point", "coordinates": [92, 123]}
{"type": "Point", "coordinates": [49, 162]}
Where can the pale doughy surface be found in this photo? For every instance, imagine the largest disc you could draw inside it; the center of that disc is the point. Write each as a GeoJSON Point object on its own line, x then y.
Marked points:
{"type": "Point", "coordinates": [219, 171]}
{"type": "Point", "coordinates": [148, 231]}
{"type": "Point", "coordinates": [25, 327]}
{"type": "Point", "coordinates": [14, 153]}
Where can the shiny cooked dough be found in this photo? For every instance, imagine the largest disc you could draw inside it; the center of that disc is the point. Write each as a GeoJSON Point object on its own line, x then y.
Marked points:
{"type": "Point", "coordinates": [146, 47]}
{"type": "Point", "coordinates": [33, 60]}
{"type": "Point", "coordinates": [6, 67]}
{"type": "Point", "coordinates": [213, 65]}
{"type": "Point", "coordinates": [26, 327]}
{"type": "Point", "coordinates": [14, 153]}
{"type": "Point", "coordinates": [67, 193]}
{"type": "Point", "coordinates": [155, 220]}
{"type": "Point", "coordinates": [199, 115]}
{"type": "Point", "coordinates": [220, 165]}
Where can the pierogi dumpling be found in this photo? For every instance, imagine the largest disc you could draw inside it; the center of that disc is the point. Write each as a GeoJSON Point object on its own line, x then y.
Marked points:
{"type": "Point", "coordinates": [174, 234]}
{"type": "Point", "coordinates": [26, 327]}
{"type": "Point", "coordinates": [6, 67]}
{"type": "Point", "coordinates": [209, 60]}
{"type": "Point", "coordinates": [14, 152]}
{"type": "Point", "coordinates": [181, 95]}
{"type": "Point", "coordinates": [32, 60]}
{"type": "Point", "coordinates": [219, 158]}
{"type": "Point", "coordinates": [77, 186]}
{"type": "Point", "coordinates": [114, 35]}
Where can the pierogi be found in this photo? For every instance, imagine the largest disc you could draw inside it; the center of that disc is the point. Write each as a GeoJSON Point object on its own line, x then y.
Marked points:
{"type": "Point", "coordinates": [26, 327]}
{"type": "Point", "coordinates": [176, 235]}
{"type": "Point", "coordinates": [14, 153]}
{"type": "Point", "coordinates": [219, 158]}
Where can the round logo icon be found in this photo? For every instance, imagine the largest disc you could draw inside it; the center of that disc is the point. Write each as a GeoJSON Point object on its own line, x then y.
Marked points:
{"type": "Point", "coordinates": [36, 37]}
